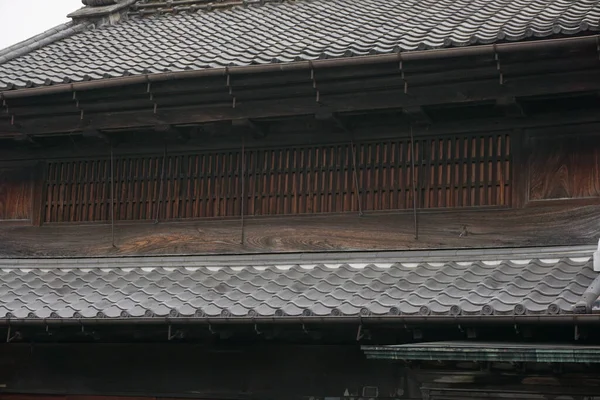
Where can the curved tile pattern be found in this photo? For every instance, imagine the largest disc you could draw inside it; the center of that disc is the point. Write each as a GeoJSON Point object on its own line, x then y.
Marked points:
{"type": "Point", "coordinates": [281, 32]}
{"type": "Point", "coordinates": [476, 288]}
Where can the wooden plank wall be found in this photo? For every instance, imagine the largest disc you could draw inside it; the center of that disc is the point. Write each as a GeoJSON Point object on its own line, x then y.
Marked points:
{"type": "Point", "coordinates": [16, 186]}
{"type": "Point", "coordinates": [453, 171]}
{"type": "Point", "coordinates": [564, 168]}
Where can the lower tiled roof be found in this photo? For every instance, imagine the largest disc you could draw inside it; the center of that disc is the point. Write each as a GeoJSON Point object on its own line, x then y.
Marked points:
{"type": "Point", "coordinates": [58, 289]}
{"type": "Point", "coordinates": [178, 38]}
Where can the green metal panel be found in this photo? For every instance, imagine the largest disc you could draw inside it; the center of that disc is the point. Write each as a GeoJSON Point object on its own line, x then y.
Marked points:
{"type": "Point", "coordinates": [467, 351]}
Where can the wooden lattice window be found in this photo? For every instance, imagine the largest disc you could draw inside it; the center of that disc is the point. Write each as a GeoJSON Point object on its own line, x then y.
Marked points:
{"type": "Point", "coordinates": [457, 171]}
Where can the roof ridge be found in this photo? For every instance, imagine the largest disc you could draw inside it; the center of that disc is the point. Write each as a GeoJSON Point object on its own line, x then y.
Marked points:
{"type": "Point", "coordinates": [51, 35]}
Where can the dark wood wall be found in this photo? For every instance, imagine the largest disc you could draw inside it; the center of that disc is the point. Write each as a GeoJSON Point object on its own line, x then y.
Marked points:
{"type": "Point", "coordinates": [471, 191]}
{"type": "Point", "coordinates": [16, 192]}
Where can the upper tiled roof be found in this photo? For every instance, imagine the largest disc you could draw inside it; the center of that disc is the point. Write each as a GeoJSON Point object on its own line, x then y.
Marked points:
{"type": "Point", "coordinates": [187, 288]}
{"type": "Point", "coordinates": [249, 32]}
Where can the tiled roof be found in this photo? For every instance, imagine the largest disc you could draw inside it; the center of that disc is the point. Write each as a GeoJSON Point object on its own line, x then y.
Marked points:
{"type": "Point", "coordinates": [187, 288]}
{"type": "Point", "coordinates": [252, 32]}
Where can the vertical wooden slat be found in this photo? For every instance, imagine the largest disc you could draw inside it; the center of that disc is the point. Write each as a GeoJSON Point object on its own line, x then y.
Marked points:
{"type": "Point", "coordinates": [458, 171]}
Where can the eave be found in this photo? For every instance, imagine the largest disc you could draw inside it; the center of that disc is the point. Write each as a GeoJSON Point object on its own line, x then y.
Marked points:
{"type": "Point", "coordinates": [345, 85]}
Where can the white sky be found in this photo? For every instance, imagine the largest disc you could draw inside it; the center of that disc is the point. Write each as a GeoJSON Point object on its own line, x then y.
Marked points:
{"type": "Point", "coordinates": [22, 19]}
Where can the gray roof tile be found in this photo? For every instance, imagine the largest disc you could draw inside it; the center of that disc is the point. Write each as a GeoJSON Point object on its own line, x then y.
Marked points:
{"type": "Point", "coordinates": [333, 289]}
{"type": "Point", "coordinates": [284, 32]}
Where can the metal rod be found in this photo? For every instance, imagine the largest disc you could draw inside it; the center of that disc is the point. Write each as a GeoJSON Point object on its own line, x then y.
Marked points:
{"type": "Point", "coordinates": [356, 187]}
{"type": "Point", "coordinates": [304, 65]}
{"type": "Point", "coordinates": [243, 194]}
{"type": "Point", "coordinates": [162, 184]}
{"type": "Point", "coordinates": [414, 179]}
{"type": "Point", "coordinates": [112, 195]}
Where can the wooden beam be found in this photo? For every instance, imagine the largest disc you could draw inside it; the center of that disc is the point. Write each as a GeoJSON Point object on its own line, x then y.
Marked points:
{"type": "Point", "coordinates": [364, 127]}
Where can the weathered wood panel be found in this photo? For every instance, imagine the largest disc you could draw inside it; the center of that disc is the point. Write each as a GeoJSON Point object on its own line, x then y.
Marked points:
{"type": "Point", "coordinates": [469, 228]}
{"type": "Point", "coordinates": [565, 168]}
{"type": "Point", "coordinates": [16, 185]}
{"type": "Point", "coordinates": [454, 171]}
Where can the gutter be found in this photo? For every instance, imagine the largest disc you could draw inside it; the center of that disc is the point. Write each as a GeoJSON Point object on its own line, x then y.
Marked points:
{"type": "Point", "coordinates": [574, 319]}
{"type": "Point", "coordinates": [422, 55]}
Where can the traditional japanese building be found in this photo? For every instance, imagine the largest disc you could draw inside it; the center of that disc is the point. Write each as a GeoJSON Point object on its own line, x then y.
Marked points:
{"type": "Point", "coordinates": [308, 199]}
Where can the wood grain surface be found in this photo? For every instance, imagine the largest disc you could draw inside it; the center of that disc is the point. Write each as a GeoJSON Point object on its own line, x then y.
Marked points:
{"type": "Point", "coordinates": [567, 167]}
{"type": "Point", "coordinates": [15, 193]}
{"type": "Point", "coordinates": [472, 228]}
